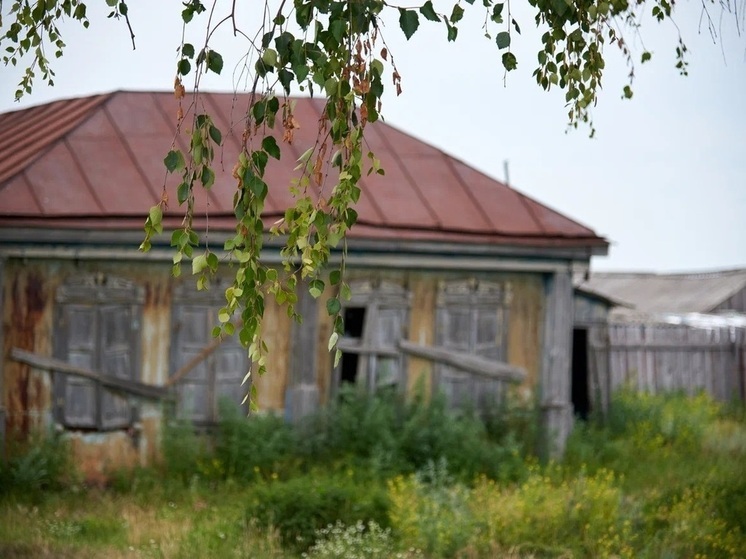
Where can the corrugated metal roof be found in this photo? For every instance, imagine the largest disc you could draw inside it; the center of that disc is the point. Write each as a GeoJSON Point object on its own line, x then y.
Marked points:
{"type": "Point", "coordinates": [97, 162]}
{"type": "Point", "coordinates": [667, 293]}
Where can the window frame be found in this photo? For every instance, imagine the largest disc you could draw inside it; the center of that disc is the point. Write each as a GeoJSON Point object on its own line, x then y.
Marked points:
{"type": "Point", "coordinates": [375, 296]}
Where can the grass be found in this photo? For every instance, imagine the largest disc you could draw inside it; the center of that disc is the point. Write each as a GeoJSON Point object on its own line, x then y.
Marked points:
{"type": "Point", "coordinates": [663, 476]}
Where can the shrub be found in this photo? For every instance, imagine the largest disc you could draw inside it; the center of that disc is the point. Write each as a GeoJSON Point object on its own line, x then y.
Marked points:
{"type": "Point", "coordinates": [692, 526]}
{"type": "Point", "coordinates": [246, 447]}
{"type": "Point", "coordinates": [582, 517]}
{"type": "Point", "coordinates": [671, 418]}
{"type": "Point", "coordinates": [299, 507]}
{"type": "Point", "coordinates": [42, 464]}
{"type": "Point", "coordinates": [183, 451]}
{"type": "Point", "coordinates": [359, 541]}
{"type": "Point", "coordinates": [546, 516]}
{"type": "Point", "coordinates": [430, 511]}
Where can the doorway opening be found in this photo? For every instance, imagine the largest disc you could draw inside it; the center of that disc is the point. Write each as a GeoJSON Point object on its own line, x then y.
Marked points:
{"type": "Point", "coordinates": [580, 399]}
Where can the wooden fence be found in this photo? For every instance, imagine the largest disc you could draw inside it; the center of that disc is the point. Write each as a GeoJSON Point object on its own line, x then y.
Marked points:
{"type": "Point", "coordinates": [663, 358]}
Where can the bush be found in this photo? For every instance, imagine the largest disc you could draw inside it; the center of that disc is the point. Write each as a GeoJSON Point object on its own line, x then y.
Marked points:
{"type": "Point", "coordinates": [355, 426]}
{"type": "Point", "coordinates": [430, 511]}
{"type": "Point", "coordinates": [388, 436]}
{"type": "Point", "coordinates": [662, 419]}
{"type": "Point", "coordinates": [581, 517]}
{"type": "Point", "coordinates": [183, 451]}
{"type": "Point", "coordinates": [692, 524]}
{"type": "Point", "coordinates": [299, 507]}
{"type": "Point", "coordinates": [40, 465]}
{"type": "Point", "coordinates": [359, 541]}
{"type": "Point", "coordinates": [382, 435]}
{"type": "Point", "coordinates": [246, 448]}
{"type": "Point", "coordinates": [544, 515]}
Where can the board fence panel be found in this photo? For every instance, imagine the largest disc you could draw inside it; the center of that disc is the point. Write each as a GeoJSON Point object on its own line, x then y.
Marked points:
{"type": "Point", "coordinates": [667, 357]}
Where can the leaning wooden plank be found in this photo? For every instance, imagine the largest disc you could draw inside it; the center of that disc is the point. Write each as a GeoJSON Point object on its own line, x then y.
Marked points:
{"type": "Point", "coordinates": [204, 353]}
{"type": "Point", "coordinates": [465, 362]}
{"type": "Point", "coordinates": [352, 345]}
{"type": "Point", "coordinates": [114, 383]}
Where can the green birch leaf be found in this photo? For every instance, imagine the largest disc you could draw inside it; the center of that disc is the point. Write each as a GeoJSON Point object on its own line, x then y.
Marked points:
{"type": "Point", "coordinates": [333, 306]}
{"type": "Point", "coordinates": [214, 61]}
{"type": "Point", "coordinates": [409, 21]}
{"type": "Point", "coordinates": [503, 40]}
{"type": "Point", "coordinates": [215, 134]}
{"type": "Point", "coordinates": [428, 11]}
{"type": "Point", "coordinates": [457, 13]}
{"type": "Point", "coordinates": [174, 161]}
{"type": "Point", "coordinates": [269, 144]}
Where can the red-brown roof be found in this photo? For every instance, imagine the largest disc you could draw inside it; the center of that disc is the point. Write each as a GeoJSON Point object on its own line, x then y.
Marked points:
{"type": "Point", "coordinates": [97, 162]}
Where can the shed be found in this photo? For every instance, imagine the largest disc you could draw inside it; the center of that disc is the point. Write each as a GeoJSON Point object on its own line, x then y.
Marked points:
{"type": "Point", "coordinates": [700, 292]}
{"type": "Point", "coordinates": [662, 332]}
{"type": "Point", "coordinates": [459, 282]}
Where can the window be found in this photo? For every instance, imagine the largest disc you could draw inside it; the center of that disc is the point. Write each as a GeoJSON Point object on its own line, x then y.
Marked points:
{"type": "Point", "coordinates": [375, 320]}
{"type": "Point", "coordinates": [471, 318]}
{"type": "Point", "coordinates": [97, 328]}
{"type": "Point", "coordinates": [218, 375]}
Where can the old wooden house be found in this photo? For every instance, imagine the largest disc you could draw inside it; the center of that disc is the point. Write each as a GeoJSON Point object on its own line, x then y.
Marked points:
{"type": "Point", "coordinates": [459, 282]}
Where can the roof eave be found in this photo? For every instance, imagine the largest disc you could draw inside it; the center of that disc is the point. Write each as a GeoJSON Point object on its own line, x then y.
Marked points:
{"type": "Point", "coordinates": [64, 241]}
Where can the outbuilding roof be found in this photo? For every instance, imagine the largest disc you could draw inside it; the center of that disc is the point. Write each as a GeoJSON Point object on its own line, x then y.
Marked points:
{"type": "Point", "coordinates": [97, 163]}
{"type": "Point", "coordinates": [700, 292]}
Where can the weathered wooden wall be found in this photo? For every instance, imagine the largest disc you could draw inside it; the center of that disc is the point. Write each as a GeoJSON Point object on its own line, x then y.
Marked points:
{"type": "Point", "coordinates": [28, 310]}
{"type": "Point", "coordinates": [525, 315]}
{"type": "Point", "coordinates": [589, 310]}
{"type": "Point", "coordinates": [663, 358]}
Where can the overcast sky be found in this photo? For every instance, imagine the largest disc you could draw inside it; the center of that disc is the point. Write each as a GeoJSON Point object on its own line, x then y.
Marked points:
{"type": "Point", "coordinates": [664, 180]}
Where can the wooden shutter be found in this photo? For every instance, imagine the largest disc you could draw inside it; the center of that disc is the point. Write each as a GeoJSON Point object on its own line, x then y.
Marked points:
{"type": "Point", "coordinates": [455, 332]}
{"type": "Point", "coordinates": [471, 317]}
{"type": "Point", "coordinates": [191, 334]}
{"type": "Point", "coordinates": [77, 344]}
{"type": "Point", "coordinates": [387, 331]}
{"type": "Point", "coordinates": [230, 366]}
{"type": "Point", "coordinates": [117, 358]}
{"type": "Point", "coordinates": [216, 377]}
{"type": "Point", "coordinates": [487, 344]}
{"type": "Point", "coordinates": [98, 329]}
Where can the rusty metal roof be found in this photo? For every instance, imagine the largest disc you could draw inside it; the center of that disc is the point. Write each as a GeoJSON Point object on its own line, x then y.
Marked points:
{"type": "Point", "coordinates": [97, 163]}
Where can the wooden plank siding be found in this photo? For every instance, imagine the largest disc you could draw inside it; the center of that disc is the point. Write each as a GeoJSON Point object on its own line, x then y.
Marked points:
{"type": "Point", "coordinates": [30, 302]}
{"type": "Point", "coordinates": [659, 358]}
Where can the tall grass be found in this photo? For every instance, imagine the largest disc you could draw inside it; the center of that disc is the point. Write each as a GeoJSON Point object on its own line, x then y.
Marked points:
{"type": "Point", "coordinates": [661, 476]}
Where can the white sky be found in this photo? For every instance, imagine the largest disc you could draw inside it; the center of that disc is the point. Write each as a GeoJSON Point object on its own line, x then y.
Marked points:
{"type": "Point", "coordinates": [664, 180]}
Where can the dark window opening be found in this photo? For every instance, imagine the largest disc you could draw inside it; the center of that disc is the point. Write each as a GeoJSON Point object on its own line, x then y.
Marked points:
{"type": "Point", "coordinates": [354, 320]}
{"type": "Point", "coordinates": [580, 400]}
